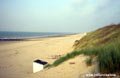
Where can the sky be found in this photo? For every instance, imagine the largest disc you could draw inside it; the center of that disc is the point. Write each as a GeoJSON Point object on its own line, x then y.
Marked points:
{"type": "Point", "coordinates": [58, 15]}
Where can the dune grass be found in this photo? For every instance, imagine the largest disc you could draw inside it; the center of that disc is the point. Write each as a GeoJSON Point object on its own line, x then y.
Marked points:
{"type": "Point", "coordinates": [104, 44]}
{"type": "Point", "coordinates": [99, 37]}
{"type": "Point", "coordinates": [65, 58]}
{"type": "Point", "coordinates": [48, 66]}
{"type": "Point", "coordinates": [89, 61]}
{"type": "Point", "coordinates": [108, 56]}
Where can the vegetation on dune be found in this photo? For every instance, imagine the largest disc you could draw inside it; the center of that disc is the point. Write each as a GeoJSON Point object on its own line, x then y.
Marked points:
{"type": "Point", "coordinates": [89, 61]}
{"type": "Point", "coordinates": [109, 58]}
{"type": "Point", "coordinates": [48, 66]}
{"type": "Point", "coordinates": [98, 37]}
{"type": "Point", "coordinates": [65, 58]}
{"type": "Point", "coordinates": [104, 44]}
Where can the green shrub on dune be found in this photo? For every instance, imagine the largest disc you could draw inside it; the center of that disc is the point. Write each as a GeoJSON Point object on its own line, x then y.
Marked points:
{"type": "Point", "coordinates": [59, 61]}
{"type": "Point", "coordinates": [65, 58]}
{"type": "Point", "coordinates": [89, 51]}
{"type": "Point", "coordinates": [109, 58]}
{"type": "Point", "coordinates": [89, 61]}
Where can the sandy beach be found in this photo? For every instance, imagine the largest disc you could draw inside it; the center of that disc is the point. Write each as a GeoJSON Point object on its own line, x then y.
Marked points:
{"type": "Point", "coordinates": [16, 58]}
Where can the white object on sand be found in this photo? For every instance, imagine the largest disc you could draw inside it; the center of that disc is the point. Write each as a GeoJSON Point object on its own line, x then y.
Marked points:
{"type": "Point", "coordinates": [38, 65]}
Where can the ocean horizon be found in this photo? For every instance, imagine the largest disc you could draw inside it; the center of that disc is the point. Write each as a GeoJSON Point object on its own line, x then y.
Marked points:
{"type": "Point", "coordinates": [29, 35]}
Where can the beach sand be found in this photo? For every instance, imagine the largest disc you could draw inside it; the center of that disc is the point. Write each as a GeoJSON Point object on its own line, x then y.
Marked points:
{"type": "Point", "coordinates": [16, 58]}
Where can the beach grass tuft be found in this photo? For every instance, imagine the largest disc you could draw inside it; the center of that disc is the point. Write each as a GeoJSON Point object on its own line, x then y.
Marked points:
{"type": "Point", "coordinates": [89, 61]}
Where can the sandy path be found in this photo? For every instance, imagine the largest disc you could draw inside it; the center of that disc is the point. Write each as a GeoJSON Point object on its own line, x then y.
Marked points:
{"type": "Point", "coordinates": [16, 58]}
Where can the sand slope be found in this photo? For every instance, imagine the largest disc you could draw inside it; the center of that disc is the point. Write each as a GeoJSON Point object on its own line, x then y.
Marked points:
{"type": "Point", "coordinates": [16, 58]}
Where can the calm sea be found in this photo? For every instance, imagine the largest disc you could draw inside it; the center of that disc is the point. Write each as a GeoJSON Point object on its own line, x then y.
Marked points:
{"type": "Point", "coordinates": [27, 35]}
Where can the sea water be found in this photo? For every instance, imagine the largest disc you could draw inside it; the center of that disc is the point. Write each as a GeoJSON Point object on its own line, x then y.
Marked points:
{"type": "Point", "coordinates": [27, 35]}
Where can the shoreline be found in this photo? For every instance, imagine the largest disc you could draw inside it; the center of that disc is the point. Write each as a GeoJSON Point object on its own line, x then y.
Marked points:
{"type": "Point", "coordinates": [34, 39]}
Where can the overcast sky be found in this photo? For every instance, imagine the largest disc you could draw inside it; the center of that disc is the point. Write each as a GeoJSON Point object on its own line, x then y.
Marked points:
{"type": "Point", "coordinates": [57, 15]}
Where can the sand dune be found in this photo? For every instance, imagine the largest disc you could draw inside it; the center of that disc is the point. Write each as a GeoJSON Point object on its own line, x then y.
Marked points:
{"type": "Point", "coordinates": [16, 58]}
